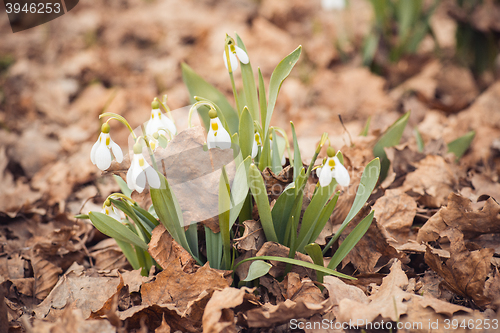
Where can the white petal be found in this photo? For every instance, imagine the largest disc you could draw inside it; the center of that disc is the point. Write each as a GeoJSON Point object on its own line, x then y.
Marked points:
{"type": "Point", "coordinates": [223, 139]}
{"type": "Point", "coordinates": [153, 178]}
{"type": "Point", "coordinates": [210, 139]}
{"type": "Point", "coordinates": [117, 151]}
{"type": "Point", "coordinates": [130, 181]}
{"type": "Point", "coordinates": [283, 160]}
{"type": "Point", "coordinates": [332, 4]}
{"type": "Point", "coordinates": [242, 55]}
{"type": "Point", "coordinates": [325, 178]}
{"type": "Point", "coordinates": [341, 174]}
{"type": "Point", "coordinates": [102, 157]}
{"type": "Point", "coordinates": [138, 176]}
{"type": "Point", "coordinates": [150, 127]}
{"type": "Point", "coordinates": [92, 152]}
{"type": "Point", "coordinates": [232, 58]}
{"type": "Point", "coordinates": [169, 125]}
{"type": "Point", "coordinates": [318, 171]}
{"type": "Point", "coordinates": [255, 149]}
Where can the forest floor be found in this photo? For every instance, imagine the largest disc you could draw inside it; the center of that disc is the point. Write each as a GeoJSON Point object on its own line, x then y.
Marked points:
{"type": "Point", "coordinates": [431, 255]}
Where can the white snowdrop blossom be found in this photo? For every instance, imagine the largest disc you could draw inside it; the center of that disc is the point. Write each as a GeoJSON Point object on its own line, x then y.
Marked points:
{"type": "Point", "coordinates": [217, 137]}
{"type": "Point", "coordinates": [256, 144]}
{"type": "Point", "coordinates": [236, 54]}
{"type": "Point", "coordinates": [111, 211]}
{"type": "Point", "coordinates": [140, 172]}
{"type": "Point", "coordinates": [100, 154]}
{"type": "Point", "coordinates": [333, 4]}
{"type": "Point", "coordinates": [159, 123]}
{"type": "Point", "coordinates": [332, 168]}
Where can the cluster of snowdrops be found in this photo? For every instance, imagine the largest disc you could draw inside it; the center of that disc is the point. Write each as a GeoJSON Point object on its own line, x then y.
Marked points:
{"type": "Point", "coordinates": [256, 146]}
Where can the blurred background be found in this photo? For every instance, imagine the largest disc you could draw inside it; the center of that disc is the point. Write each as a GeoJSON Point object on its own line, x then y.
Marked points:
{"type": "Point", "coordinates": [361, 59]}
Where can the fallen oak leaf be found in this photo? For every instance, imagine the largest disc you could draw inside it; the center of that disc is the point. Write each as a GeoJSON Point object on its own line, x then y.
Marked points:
{"type": "Point", "coordinates": [218, 315]}
{"type": "Point", "coordinates": [164, 249]}
{"type": "Point", "coordinates": [466, 271]}
{"type": "Point", "coordinates": [459, 214]}
{"type": "Point", "coordinates": [389, 301]}
{"type": "Point", "coordinates": [173, 286]}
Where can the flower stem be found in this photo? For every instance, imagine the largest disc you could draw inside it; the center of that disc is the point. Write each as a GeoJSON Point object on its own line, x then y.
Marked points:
{"type": "Point", "coordinates": [120, 119]}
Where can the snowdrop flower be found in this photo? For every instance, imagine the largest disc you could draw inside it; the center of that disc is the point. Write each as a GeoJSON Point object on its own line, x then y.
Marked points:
{"type": "Point", "coordinates": [160, 124]}
{"type": "Point", "coordinates": [141, 172]}
{"type": "Point", "coordinates": [110, 210]}
{"type": "Point", "coordinates": [236, 54]}
{"type": "Point", "coordinates": [333, 4]}
{"type": "Point", "coordinates": [332, 168]}
{"type": "Point", "coordinates": [256, 143]}
{"type": "Point", "coordinates": [100, 154]}
{"type": "Point", "coordinates": [217, 136]}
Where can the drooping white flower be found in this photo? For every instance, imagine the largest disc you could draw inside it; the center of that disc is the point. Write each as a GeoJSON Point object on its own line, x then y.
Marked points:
{"type": "Point", "coordinates": [333, 4]}
{"type": "Point", "coordinates": [217, 137]}
{"type": "Point", "coordinates": [236, 54]}
{"type": "Point", "coordinates": [100, 154]}
{"type": "Point", "coordinates": [159, 123]}
{"type": "Point", "coordinates": [256, 144]}
{"type": "Point", "coordinates": [332, 168]}
{"type": "Point", "coordinates": [140, 172]}
{"type": "Point", "coordinates": [111, 211]}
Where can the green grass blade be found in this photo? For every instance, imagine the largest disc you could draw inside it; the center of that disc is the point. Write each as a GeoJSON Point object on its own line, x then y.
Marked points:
{"type": "Point", "coordinates": [239, 190]}
{"type": "Point", "coordinates": [312, 214]}
{"type": "Point", "coordinates": [368, 181]}
{"type": "Point", "coordinates": [297, 160]}
{"type": "Point", "coordinates": [390, 138]}
{"type": "Point", "coordinates": [259, 193]}
{"type": "Point", "coordinates": [365, 130]}
{"type": "Point", "coordinates": [324, 216]}
{"type": "Point", "coordinates": [351, 240]}
{"type": "Point", "coordinates": [262, 101]}
{"type": "Point", "coordinates": [275, 155]}
{"type": "Point", "coordinates": [114, 229]}
{"type": "Point", "coordinates": [282, 210]}
{"type": "Point", "coordinates": [249, 87]}
{"type": "Point", "coordinates": [192, 239]}
{"type": "Point", "coordinates": [214, 248]}
{"type": "Point", "coordinates": [420, 141]}
{"type": "Point", "coordinates": [299, 263]}
{"type": "Point", "coordinates": [224, 206]}
{"type": "Point", "coordinates": [459, 146]}
{"type": "Point", "coordinates": [314, 251]}
{"type": "Point", "coordinates": [279, 75]}
{"type": "Point", "coordinates": [123, 186]}
{"type": "Point", "coordinates": [246, 133]}
{"type": "Point", "coordinates": [197, 86]}
{"type": "Point", "coordinates": [129, 252]}
{"type": "Point", "coordinates": [257, 269]}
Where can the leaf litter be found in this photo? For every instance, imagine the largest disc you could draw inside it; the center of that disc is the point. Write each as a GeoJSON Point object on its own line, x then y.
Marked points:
{"type": "Point", "coordinates": [430, 254]}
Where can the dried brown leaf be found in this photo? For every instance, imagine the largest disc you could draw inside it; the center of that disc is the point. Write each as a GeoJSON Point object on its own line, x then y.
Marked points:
{"type": "Point", "coordinates": [270, 315]}
{"type": "Point", "coordinates": [218, 316]}
{"type": "Point", "coordinates": [433, 180]}
{"type": "Point", "coordinates": [388, 301]}
{"type": "Point", "coordinates": [466, 271]}
{"type": "Point", "coordinates": [460, 215]}
{"type": "Point", "coordinates": [173, 286]}
{"type": "Point", "coordinates": [396, 211]}
{"type": "Point", "coordinates": [164, 249]}
{"type": "Point", "coordinates": [72, 320]}
{"type": "Point", "coordinates": [253, 237]}
{"type": "Point", "coordinates": [373, 250]}
{"type": "Point", "coordinates": [88, 293]}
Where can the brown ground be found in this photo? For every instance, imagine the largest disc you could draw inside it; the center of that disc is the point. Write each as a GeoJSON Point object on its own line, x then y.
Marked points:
{"type": "Point", "coordinates": [436, 220]}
